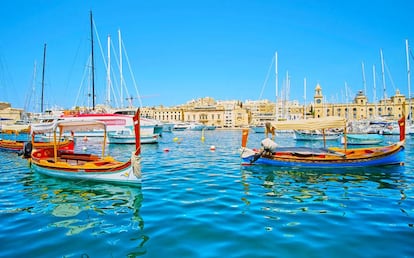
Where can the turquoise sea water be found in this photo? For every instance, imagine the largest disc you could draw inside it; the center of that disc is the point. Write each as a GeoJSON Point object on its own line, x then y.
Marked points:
{"type": "Point", "coordinates": [196, 202]}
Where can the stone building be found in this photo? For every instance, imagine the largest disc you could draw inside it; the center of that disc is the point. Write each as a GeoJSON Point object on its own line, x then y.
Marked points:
{"type": "Point", "coordinates": [222, 114]}
{"type": "Point", "coordinates": [236, 114]}
{"type": "Point", "coordinates": [8, 114]}
{"type": "Point", "coordinates": [360, 108]}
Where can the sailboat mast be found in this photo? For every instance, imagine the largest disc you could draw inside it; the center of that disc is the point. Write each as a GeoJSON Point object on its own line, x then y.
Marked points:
{"type": "Point", "coordinates": [365, 87]}
{"type": "Point", "coordinates": [92, 65]}
{"type": "Point", "coordinates": [120, 67]}
{"type": "Point", "coordinates": [375, 89]}
{"type": "Point", "coordinates": [304, 96]}
{"type": "Point", "coordinates": [408, 78]}
{"type": "Point", "coordinates": [363, 78]}
{"type": "Point", "coordinates": [108, 74]}
{"type": "Point", "coordinates": [346, 100]}
{"type": "Point", "coordinates": [383, 83]}
{"type": "Point", "coordinates": [43, 78]}
{"type": "Point", "coordinates": [277, 86]}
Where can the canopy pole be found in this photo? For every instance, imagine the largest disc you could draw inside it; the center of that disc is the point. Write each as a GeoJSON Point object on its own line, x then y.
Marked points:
{"type": "Point", "coordinates": [324, 138]}
{"type": "Point", "coordinates": [245, 135]}
{"type": "Point", "coordinates": [55, 145]}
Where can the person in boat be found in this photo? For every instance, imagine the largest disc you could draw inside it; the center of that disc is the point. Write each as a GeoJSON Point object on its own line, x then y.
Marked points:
{"type": "Point", "coordinates": [268, 148]}
{"type": "Point", "coordinates": [270, 129]}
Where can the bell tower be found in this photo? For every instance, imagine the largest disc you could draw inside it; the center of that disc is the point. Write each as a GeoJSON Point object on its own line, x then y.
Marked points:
{"type": "Point", "coordinates": [318, 97]}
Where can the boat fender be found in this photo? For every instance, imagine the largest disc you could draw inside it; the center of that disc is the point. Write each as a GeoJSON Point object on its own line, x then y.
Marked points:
{"type": "Point", "coordinates": [27, 150]}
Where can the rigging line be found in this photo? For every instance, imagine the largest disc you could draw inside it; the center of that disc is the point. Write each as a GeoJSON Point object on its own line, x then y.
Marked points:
{"type": "Point", "coordinates": [267, 78]}
{"type": "Point", "coordinates": [100, 48]}
{"type": "Point", "coordinates": [112, 90]}
{"type": "Point", "coordinates": [116, 81]}
{"type": "Point", "coordinates": [28, 99]}
{"type": "Point", "coordinates": [411, 54]}
{"type": "Point", "coordinates": [99, 43]}
{"type": "Point", "coordinates": [389, 74]}
{"type": "Point", "coordinates": [83, 79]}
{"type": "Point", "coordinates": [114, 84]}
{"type": "Point", "coordinates": [72, 67]}
{"type": "Point", "coordinates": [132, 74]}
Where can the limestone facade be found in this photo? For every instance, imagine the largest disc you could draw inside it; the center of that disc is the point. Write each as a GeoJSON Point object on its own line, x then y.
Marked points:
{"type": "Point", "coordinates": [234, 113]}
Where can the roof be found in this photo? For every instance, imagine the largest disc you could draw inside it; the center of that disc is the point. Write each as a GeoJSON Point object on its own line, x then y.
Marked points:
{"type": "Point", "coordinates": [15, 128]}
{"type": "Point", "coordinates": [68, 125]}
{"type": "Point", "coordinates": [311, 124]}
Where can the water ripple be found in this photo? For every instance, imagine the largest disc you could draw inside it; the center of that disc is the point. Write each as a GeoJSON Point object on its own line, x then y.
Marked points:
{"type": "Point", "coordinates": [199, 202]}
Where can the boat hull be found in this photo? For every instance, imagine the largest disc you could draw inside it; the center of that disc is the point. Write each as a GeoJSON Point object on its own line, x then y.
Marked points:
{"type": "Point", "coordinates": [17, 146]}
{"type": "Point", "coordinates": [363, 139]}
{"type": "Point", "coordinates": [123, 174]}
{"type": "Point", "coordinates": [147, 136]}
{"type": "Point", "coordinates": [124, 139]}
{"type": "Point", "coordinates": [305, 136]}
{"type": "Point", "coordinates": [258, 129]}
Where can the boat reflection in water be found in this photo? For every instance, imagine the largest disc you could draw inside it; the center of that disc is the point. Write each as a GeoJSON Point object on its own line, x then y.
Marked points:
{"type": "Point", "coordinates": [84, 208]}
{"type": "Point", "coordinates": [295, 190]}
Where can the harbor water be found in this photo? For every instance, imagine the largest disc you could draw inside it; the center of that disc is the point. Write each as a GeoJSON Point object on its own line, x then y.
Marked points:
{"type": "Point", "coordinates": [196, 200]}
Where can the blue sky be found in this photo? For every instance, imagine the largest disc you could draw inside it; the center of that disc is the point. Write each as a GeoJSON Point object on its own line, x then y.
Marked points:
{"type": "Point", "coordinates": [182, 50]}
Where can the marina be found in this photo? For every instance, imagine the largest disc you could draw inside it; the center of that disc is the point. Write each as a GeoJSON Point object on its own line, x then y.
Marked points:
{"type": "Point", "coordinates": [228, 129]}
{"type": "Point", "coordinates": [195, 202]}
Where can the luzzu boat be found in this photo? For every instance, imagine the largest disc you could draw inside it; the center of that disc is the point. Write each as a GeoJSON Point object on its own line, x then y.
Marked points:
{"type": "Point", "coordinates": [14, 138]}
{"type": "Point", "coordinates": [87, 166]}
{"type": "Point", "coordinates": [271, 154]}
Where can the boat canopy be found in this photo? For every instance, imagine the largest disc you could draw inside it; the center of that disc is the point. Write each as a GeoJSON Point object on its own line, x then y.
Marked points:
{"type": "Point", "coordinates": [68, 125]}
{"type": "Point", "coordinates": [15, 128]}
{"type": "Point", "coordinates": [311, 124]}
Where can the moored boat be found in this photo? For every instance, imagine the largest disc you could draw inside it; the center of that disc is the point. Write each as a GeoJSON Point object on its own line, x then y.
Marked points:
{"type": "Point", "coordinates": [180, 126]}
{"type": "Point", "coordinates": [87, 166]}
{"type": "Point", "coordinates": [315, 135]}
{"type": "Point", "coordinates": [271, 154]}
{"type": "Point", "coordinates": [362, 139]}
{"type": "Point", "coordinates": [128, 136]}
{"type": "Point", "coordinates": [15, 138]}
{"type": "Point", "coordinates": [259, 128]}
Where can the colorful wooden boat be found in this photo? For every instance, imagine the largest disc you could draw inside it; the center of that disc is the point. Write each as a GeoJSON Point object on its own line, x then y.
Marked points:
{"type": "Point", "coordinates": [271, 154]}
{"type": "Point", "coordinates": [87, 166]}
{"type": "Point", "coordinates": [15, 137]}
